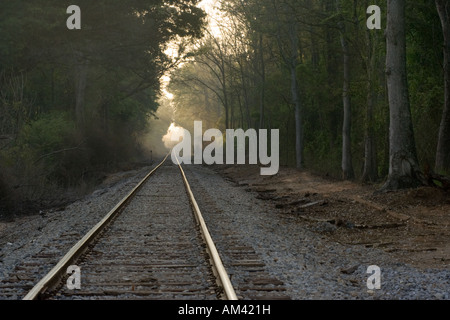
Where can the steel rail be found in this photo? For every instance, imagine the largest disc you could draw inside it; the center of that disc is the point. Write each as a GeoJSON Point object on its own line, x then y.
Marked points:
{"type": "Point", "coordinates": [55, 275]}
{"type": "Point", "coordinates": [214, 254]}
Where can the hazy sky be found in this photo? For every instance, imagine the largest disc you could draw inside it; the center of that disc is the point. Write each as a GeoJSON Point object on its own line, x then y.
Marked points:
{"type": "Point", "coordinates": [208, 6]}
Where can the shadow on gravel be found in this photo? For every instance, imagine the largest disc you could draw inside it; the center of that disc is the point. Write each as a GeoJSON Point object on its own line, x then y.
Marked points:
{"type": "Point", "coordinates": [411, 225]}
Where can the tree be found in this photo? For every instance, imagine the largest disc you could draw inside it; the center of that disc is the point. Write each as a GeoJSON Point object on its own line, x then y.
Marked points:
{"type": "Point", "coordinates": [443, 149]}
{"type": "Point", "coordinates": [74, 102]}
{"type": "Point", "coordinates": [404, 169]}
{"type": "Point", "coordinates": [373, 55]}
{"type": "Point", "coordinates": [128, 38]}
{"type": "Point", "coordinates": [370, 171]}
{"type": "Point", "coordinates": [213, 58]}
{"type": "Point", "coordinates": [286, 33]}
{"type": "Point", "coordinates": [318, 74]}
{"type": "Point", "coordinates": [347, 164]}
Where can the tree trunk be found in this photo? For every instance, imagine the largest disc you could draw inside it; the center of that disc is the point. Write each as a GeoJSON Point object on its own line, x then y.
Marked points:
{"type": "Point", "coordinates": [245, 92]}
{"type": "Point", "coordinates": [262, 82]}
{"type": "Point", "coordinates": [443, 149]}
{"type": "Point", "coordinates": [295, 95]}
{"type": "Point", "coordinates": [231, 101]}
{"type": "Point", "coordinates": [298, 119]}
{"type": "Point", "coordinates": [290, 57]}
{"type": "Point", "coordinates": [347, 164]}
{"type": "Point", "coordinates": [226, 106]}
{"type": "Point", "coordinates": [225, 95]}
{"type": "Point", "coordinates": [370, 173]}
{"type": "Point", "coordinates": [404, 170]}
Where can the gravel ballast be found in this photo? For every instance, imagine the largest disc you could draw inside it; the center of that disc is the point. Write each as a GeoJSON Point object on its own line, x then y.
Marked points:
{"type": "Point", "coordinates": [309, 266]}
{"type": "Point", "coordinates": [27, 236]}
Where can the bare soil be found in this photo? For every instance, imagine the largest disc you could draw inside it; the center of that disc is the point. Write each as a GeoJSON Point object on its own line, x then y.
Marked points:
{"type": "Point", "coordinates": [411, 225]}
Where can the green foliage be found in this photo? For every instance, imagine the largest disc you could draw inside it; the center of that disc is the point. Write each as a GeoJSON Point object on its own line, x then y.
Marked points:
{"type": "Point", "coordinates": [73, 103]}
{"type": "Point", "coordinates": [256, 27]}
{"type": "Point", "coordinates": [425, 76]}
{"type": "Point", "coordinates": [240, 79]}
{"type": "Point", "coordinates": [40, 143]}
{"type": "Point", "coordinates": [47, 134]}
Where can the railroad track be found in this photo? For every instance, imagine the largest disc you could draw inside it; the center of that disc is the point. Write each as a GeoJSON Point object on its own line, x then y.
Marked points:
{"type": "Point", "coordinates": [153, 245]}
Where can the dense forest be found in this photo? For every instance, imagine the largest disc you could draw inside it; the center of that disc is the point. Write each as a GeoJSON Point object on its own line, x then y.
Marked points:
{"type": "Point", "coordinates": [334, 79]}
{"type": "Point", "coordinates": [73, 103]}
{"type": "Point", "coordinates": [354, 97]}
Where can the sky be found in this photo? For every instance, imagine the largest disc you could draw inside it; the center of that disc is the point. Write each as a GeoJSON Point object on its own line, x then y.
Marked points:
{"type": "Point", "coordinates": [214, 14]}
{"type": "Point", "coordinates": [208, 6]}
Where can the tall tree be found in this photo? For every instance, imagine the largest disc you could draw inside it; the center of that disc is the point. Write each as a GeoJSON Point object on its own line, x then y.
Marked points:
{"type": "Point", "coordinates": [373, 60]}
{"type": "Point", "coordinates": [443, 149]}
{"type": "Point", "coordinates": [404, 171]}
{"type": "Point", "coordinates": [74, 84]}
{"type": "Point", "coordinates": [347, 164]}
{"type": "Point", "coordinates": [287, 35]}
{"type": "Point", "coordinates": [213, 57]}
{"type": "Point", "coordinates": [370, 171]}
